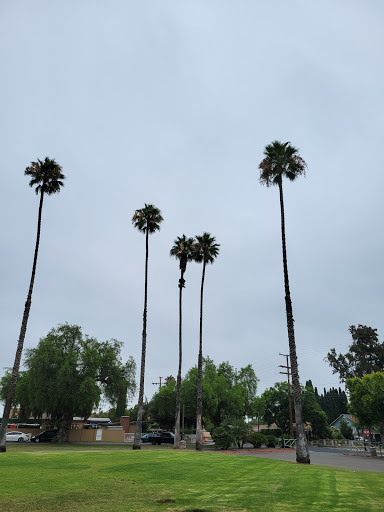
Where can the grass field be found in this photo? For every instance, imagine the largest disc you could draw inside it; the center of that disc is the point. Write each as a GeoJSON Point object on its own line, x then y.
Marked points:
{"type": "Point", "coordinates": [37, 478]}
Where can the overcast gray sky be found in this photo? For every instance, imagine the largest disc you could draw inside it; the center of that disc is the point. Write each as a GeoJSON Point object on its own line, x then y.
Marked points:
{"type": "Point", "coordinates": [172, 103]}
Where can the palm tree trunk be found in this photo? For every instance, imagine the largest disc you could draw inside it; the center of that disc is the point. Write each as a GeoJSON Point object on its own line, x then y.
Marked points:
{"type": "Point", "coordinates": [302, 454]}
{"type": "Point", "coordinates": [199, 427]}
{"type": "Point", "coordinates": [139, 422]}
{"type": "Point", "coordinates": [178, 381]}
{"type": "Point", "coordinates": [20, 343]}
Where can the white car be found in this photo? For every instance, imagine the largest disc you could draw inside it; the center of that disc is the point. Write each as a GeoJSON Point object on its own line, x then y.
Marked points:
{"type": "Point", "coordinates": [19, 437]}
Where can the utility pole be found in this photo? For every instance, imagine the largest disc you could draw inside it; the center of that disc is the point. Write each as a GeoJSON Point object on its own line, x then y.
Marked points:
{"type": "Point", "coordinates": [158, 383]}
{"type": "Point", "coordinates": [287, 367]}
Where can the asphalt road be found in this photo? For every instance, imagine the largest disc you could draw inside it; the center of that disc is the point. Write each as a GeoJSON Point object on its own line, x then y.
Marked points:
{"type": "Point", "coordinates": [325, 456]}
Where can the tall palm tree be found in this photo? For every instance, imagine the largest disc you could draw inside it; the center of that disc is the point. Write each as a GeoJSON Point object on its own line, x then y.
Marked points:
{"type": "Point", "coordinates": [182, 250]}
{"type": "Point", "coordinates": [205, 250]}
{"type": "Point", "coordinates": [147, 220]}
{"type": "Point", "coordinates": [47, 177]}
{"type": "Point", "coordinates": [282, 160]}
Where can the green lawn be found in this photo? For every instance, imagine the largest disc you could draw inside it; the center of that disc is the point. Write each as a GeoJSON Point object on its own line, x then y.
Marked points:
{"type": "Point", "coordinates": [42, 479]}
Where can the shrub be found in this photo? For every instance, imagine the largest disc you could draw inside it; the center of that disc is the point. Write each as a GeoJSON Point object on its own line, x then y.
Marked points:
{"type": "Point", "coordinates": [241, 434]}
{"type": "Point", "coordinates": [336, 434]}
{"type": "Point", "coordinates": [326, 433]}
{"type": "Point", "coordinates": [346, 430]}
{"type": "Point", "coordinates": [271, 441]}
{"type": "Point", "coordinates": [223, 438]}
{"type": "Point", "coordinates": [257, 439]}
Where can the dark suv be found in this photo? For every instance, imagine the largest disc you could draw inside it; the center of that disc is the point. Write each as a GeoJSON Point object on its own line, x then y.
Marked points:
{"type": "Point", "coordinates": [44, 437]}
{"type": "Point", "coordinates": [162, 437]}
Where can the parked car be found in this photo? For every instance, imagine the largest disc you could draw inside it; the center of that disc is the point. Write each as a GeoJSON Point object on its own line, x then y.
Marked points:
{"type": "Point", "coordinates": [145, 438]}
{"type": "Point", "coordinates": [15, 436]}
{"type": "Point", "coordinates": [45, 437]}
{"type": "Point", "coordinates": [162, 437]}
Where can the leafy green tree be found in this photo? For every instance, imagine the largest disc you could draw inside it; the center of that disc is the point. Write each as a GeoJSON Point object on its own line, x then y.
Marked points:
{"type": "Point", "coordinates": [247, 380]}
{"type": "Point", "coordinates": [365, 354]}
{"type": "Point", "coordinates": [110, 413]}
{"type": "Point", "coordinates": [162, 405]}
{"type": "Point", "coordinates": [333, 402]}
{"type": "Point", "coordinates": [67, 373]}
{"type": "Point", "coordinates": [259, 409]}
{"type": "Point", "coordinates": [366, 398]}
{"type": "Point", "coordinates": [336, 434]}
{"type": "Point", "coordinates": [133, 411]}
{"type": "Point", "coordinates": [313, 414]}
{"type": "Point", "coordinates": [346, 430]}
{"type": "Point", "coordinates": [257, 439]}
{"type": "Point", "coordinates": [188, 397]}
{"type": "Point", "coordinates": [277, 406]}
{"type": "Point", "coordinates": [219, 402]}
{"type": "Point", "coordinates": [47, 177]}
{"type": "Point", "coordinates": [147, 220]}
{"type": "Point", "coordinates": [277, 409]}
{"type": "Point", "coordinates": [224, 370]}
{"type": "Point", "coordinates": [121, 405]}
{"type": "Point", "coordinates": [241, 432]}
{"type": "Point", "coordinates": [229, 395]}
{"type": "Point", "coordinates": [282, 160]}
{"type": "Point", "coordinates": [181, 250]}
{"type": "Point", "coordinates": [205, 251]}
{"type": "Point", "coordinates": [223, 438]}
{"type": "Point", "coordinates": [225, 400]}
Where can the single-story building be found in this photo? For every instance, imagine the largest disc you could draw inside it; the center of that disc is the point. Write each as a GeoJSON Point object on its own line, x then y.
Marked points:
{"type": "Point", "coordinates": [349, 419]}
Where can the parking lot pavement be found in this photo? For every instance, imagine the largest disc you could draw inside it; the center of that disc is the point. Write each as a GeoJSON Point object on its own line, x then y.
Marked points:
{"type": "Point", "coordinates": [333, 457]}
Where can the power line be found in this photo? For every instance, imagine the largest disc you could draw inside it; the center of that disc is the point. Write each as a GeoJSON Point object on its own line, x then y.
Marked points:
{"type": "Point", "coordinates": [158, 383]}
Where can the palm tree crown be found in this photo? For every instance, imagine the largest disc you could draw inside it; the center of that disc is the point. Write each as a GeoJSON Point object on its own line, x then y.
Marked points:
{"type": "Point", "coordinates": [205, 249]}
{"type": "Point", "coordinates": [281, 159]}
{"type": "Point", "coordinates": [148, 217]}
{"type": "Point", "coordinates": [183, 250]}
{"type": "Point", "coordinates": [46, 175]}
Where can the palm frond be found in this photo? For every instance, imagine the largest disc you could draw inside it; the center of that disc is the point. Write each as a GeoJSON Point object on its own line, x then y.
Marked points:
{"type": "Point", "coordinates": [147, 218]}
{"type": "Point", "coordinates": [281, 160]}
{"type": "Point", "coordinates": [205, 249]}
{"type": "Point", "coordinates": [46, 176]}
{"type": "Point", "coordinates": [182, 249]}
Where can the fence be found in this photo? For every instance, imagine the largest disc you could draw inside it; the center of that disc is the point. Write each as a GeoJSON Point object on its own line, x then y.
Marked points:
{"type": "Point", "coordinates": [373, 447]}
{"type": "Point", "coordinates": [83, 434]}
{"type": "Point", "coordinates": [289, 443]}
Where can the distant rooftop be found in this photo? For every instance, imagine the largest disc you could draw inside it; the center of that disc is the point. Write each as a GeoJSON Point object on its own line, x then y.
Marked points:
{"type": "Point", "coordinates": [93, 420]}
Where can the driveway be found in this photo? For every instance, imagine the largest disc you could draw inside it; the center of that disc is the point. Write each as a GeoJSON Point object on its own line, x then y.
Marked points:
{"type": "Point", "coordinates": [325, 456]}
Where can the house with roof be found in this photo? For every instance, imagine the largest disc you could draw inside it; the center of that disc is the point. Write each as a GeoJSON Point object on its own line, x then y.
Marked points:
{"type": "Point", "coordinates": [350, 421]}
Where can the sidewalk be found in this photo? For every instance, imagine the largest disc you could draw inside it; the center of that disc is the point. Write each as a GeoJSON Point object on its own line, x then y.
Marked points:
{"type": "Point", "coordinates": [335, 458]}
